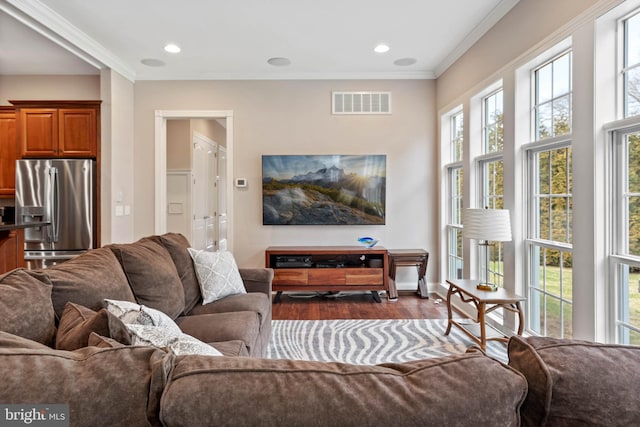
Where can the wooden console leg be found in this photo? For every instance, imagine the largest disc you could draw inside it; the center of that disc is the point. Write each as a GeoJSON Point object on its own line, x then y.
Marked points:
{"type": "Point", "coordinates": [376, 296]}
{"type": "Point", "coordinates": [276, 299]}
{"type": "Point", "coordinates": [422, 288]}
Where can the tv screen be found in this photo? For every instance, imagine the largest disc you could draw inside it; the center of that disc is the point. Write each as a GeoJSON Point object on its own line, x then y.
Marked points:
{"type": "Point", "coordinates": [323, 189]}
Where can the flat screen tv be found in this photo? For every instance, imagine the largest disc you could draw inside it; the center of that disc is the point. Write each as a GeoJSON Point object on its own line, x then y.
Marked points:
{"type": "Point", "coordinates": [323, 189]}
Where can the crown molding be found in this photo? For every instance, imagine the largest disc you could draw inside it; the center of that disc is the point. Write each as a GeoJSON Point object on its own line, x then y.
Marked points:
{"type": "Point", "coordinates": [51, 25]}
{"type": "Point", "coordinates": [487, 23]}
{"type": "Point", "coordinates": [408, 75]}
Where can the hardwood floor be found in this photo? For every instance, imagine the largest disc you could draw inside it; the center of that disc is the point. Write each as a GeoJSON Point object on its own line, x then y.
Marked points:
{"type": "Point", "coordinates": [359, 306]}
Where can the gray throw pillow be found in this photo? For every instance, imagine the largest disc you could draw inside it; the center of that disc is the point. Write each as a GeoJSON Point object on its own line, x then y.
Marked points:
{"type": "Point", "coordinates": [218, 274]}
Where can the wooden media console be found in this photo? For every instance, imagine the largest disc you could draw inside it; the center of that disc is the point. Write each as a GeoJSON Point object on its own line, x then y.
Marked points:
{"type": "Point", "coordinates": [328, 268]}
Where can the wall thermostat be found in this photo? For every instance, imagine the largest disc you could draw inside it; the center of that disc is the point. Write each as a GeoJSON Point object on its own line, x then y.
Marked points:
{"type": "Point", "coordinates": [241, 182]}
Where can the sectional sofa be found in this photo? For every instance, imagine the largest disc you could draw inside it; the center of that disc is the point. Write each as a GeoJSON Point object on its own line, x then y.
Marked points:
{"type": "Point", "coordinates": [59, 345]}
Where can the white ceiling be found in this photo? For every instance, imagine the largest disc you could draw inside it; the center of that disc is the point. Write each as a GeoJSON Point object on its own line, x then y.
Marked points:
{"type": "Point", "coordinates": [234, 39]}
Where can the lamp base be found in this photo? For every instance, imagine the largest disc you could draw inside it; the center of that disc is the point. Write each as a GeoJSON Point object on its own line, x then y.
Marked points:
{"type": "Point", "coordinates": [487, 287]}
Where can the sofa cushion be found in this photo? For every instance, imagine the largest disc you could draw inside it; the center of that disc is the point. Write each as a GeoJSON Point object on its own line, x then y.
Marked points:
{"type": "Point", "coordinates": [577, 382]}
{"type": "Point", "coordinates": [177, 246]}
{"type": "Point", "coordinates": [78, 322]}
{"type": "Point", "coordinates": [152, 275]}
{"type": "Point", "coordinates": [233, 348]}
{"type": "Point", "coordinates": [178, 342]}
{"type": "Point", "coordinates": [88, 279]}
{"type": "Point", "coordinates": [239, 325]}
{"type": "Point", "coordinates": [217, 273]}
{"type": "Point", "coordinates": [25, 304]}
{"type": "Point", "coordinates": [467, 389]}
{"type": "Point", "coordinates": [252, 301]}
{"type": "Point", "coordinates": [8, 340]}
{"type": "Point", "coordinates": [103, 387]}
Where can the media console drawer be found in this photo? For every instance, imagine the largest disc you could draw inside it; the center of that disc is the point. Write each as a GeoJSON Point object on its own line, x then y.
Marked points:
{"type": "Point", "coordinates": [328, 268]}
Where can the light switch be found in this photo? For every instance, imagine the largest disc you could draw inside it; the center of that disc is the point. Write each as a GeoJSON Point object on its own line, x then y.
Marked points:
{"type": "Point", "coordinates": [119, 210]}
{"type": "Point", "coordinates": [127, 210]}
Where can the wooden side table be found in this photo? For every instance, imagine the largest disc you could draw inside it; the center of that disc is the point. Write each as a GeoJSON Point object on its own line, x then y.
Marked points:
{"type": "Point", "coordinates": [485, 302]}
{"type": "Point", "coordinates": [408, 258]}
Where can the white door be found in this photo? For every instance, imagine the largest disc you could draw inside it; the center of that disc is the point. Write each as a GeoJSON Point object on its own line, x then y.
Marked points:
{"type": "Point", "coordinates": [210, 222]}
{"type": "Point", "coordinates": [202, 232]}
{"type": "Point", "coordinates": [222, 198]}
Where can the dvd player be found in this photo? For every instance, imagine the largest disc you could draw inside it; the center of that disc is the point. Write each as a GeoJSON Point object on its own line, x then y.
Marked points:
{"type": "Point", "coordinates": [294, 261]}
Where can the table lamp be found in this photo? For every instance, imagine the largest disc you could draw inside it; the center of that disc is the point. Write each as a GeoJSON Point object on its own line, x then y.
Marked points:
{"type": "Point", "coordinates": [486, 225]}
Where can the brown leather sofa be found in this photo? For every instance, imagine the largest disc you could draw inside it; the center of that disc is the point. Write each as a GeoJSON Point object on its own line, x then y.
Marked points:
{"type": "Point", "coordinates": [106, 381]}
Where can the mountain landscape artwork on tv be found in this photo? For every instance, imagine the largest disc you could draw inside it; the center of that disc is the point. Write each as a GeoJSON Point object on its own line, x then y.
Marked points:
{"type": "Point", "coordinates": [323, 189]}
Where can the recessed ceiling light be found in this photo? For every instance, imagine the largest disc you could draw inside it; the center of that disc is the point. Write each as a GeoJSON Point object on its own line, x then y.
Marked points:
{"type": "Point", "coordinates": [381, 48]}
{"type": "Point", "coordinates": [152, 62]}
{"type": "Point", "coordinates": [279, 61]}
{"type": "Point", "coordinates": [172, 48]}
{"type": "Point", "coordinates": [403, 62]}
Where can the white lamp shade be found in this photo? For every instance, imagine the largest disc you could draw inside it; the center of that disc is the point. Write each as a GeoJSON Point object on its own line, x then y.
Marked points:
{"type": "Point", "coordinates": [492, 225]}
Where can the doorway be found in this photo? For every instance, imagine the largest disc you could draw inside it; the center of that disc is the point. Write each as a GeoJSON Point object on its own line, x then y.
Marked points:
{"type": "Point", "coordinates": [224, 220]}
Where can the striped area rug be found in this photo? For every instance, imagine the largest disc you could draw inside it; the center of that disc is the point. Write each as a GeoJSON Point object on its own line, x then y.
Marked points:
{"type": "Point", "coordinates": [370, 342]}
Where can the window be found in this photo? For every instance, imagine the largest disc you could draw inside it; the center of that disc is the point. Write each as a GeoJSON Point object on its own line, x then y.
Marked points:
{"type": "Point", "coordinates": [492, 118]}
{"type": "Point", "coordinates": [625, 259]}
{"type": "Point", "coordinates": [631, 66]}
{"type": "Point", "coordinates": [455, 180]}
{"type": "Point", "coordinates": [553, 98]}
{"type": "Point", "coordinates": [454, 226]}
{"type": "Point", "coordinates": [492, 177]}
{"type": "Point", "coordinates": [550, 209]}
{"type": "Point", "coordinates": [456, 137]}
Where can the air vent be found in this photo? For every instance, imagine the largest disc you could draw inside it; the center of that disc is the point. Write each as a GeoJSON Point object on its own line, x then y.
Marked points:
{"type": "Point", "coordinates": [361, 103]}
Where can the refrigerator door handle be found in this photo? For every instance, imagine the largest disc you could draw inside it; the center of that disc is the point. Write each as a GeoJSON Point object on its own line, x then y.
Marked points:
{"type": "Point", "coordinates": [55, 204]}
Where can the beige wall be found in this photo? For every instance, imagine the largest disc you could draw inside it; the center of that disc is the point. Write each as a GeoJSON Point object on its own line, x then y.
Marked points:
{"type": "Point", "coordinates": [117, 177]}
{"type": "Point", "coordinates": [528, 23]}
{"type": "Point", "coordinates": [48, 87]}
{"type": "Point", "coordinates": [294, 117]}
{"type": "Point", "coordinates": [180, 135]}
{"type": "Point", "coordinates": [178, 144]}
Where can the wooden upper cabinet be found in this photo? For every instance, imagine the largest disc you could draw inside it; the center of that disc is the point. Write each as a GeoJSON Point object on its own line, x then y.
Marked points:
{"type": "Point", "coordinates": [77, 132]}
{"type": "Point", "coordinates": [8, 152]}
{"type": "Point", "coordinates": [38, 132]}
{"type": "Point", "coordinates": [58, 128]}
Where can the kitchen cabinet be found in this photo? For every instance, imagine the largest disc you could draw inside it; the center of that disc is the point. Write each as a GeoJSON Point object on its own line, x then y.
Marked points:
{"type": "Point", "coordinates": [8, 152]}
{"type": "Point", "coordinates": [58, 128]}
{"type": "Point", "coordinates": [11, 249]}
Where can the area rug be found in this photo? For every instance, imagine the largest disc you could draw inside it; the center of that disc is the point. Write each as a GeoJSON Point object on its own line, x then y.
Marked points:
{"type": "Point", "coordinates": [370, 342]}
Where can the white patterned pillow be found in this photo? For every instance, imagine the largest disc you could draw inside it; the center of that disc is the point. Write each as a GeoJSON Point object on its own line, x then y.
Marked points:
{"type": "Point", "coordinates": [218, 274]}
{"type": "Point", "coordinates": [179, 343]}
{"type": "Point", "coordinates": [136, 314]}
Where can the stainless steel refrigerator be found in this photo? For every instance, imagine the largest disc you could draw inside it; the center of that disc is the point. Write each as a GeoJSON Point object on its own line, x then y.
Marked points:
{"type": "Point", "coordinates": [62, 193]}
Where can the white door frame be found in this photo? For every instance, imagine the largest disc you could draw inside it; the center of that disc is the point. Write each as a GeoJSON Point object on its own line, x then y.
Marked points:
{"type": "Point", "coordinates": [161, 117]}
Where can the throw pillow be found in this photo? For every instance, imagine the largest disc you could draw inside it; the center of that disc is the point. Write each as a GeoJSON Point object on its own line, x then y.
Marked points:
{"type": "Point", "coordinates": [96, 340]}
{"type": "Point", "coordinates": [78, 322]}
{"type": "Point", "coordinates": [218, 274]}
{"type": "Point", "coordinates": [26, 307]}
{"type": "Point", "coordinates": [134, 314]}
{"type": "Point", "coordinates": [179, 343]}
